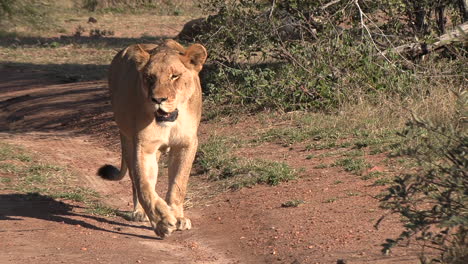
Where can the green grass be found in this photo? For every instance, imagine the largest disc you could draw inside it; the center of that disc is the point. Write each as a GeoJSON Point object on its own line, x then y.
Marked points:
{"type": "Point", "coordinates": [29, 175]}
{"type": "Point", "coordinates": [9, 168]}
{"type": "Point", "coordinates": [300, 130]}
{"type": "Point", "coordinates": [354, 153]}
{"type": "Point", "coordinates": [352, 193]}
{"type": "Point", "coordinates": [331, 200]}
{"type": "Point", "coordinates": [293, 203]}
{"type": "Point", "coordinates": [9, 152]}
{"type": "Point", "coordinates": [346, 137]}
{"type": "Point", "coordinates": [251, 172]}
{"type": "Point", "coordinates": [77, 194]}
{"type": "Point", "coordinates": [97, 208]}
{"type": "Point", "coordinates": [321, 166]}
{"type": "Point", "coordinates": [5, 180]}
{"type": "Point", "coordinates": [216, 158]}
{"type": "Point", "coordinates": [354, 165]}
{"type": "Point", "coordinates": [372, 175]}
{"type": "Point", "coordinates": [383, 181]}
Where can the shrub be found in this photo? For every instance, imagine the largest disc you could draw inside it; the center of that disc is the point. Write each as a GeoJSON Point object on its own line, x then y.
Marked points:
{"type": "Point", "coordinates": [433, 201]}
{"type": "Point", "coordinates": [291, 54]}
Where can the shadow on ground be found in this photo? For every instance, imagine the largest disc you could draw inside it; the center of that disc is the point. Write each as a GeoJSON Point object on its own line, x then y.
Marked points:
{"type": "Point", "coordinates": [34, 205]}
{"type": "Point", "coordinates": [29, 102]}
{"type": "Point", "coordinates": [60, 73]}
{"type": "Point", "coordinates": [13, 40]}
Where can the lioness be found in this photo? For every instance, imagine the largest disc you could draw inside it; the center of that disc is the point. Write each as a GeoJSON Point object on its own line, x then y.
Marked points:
{"type": "Point", "coordinates": [156, 99]}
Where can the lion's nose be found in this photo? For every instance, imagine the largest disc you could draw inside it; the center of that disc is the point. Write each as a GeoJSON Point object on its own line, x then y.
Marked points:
{"type": "Point", "coordinates": [158, 100]}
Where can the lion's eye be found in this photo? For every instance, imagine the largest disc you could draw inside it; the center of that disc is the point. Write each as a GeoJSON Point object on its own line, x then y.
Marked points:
{"type": "Point", "coordinates": [174, 77]}
{"type": "Point", "coordinates": [151, 79]}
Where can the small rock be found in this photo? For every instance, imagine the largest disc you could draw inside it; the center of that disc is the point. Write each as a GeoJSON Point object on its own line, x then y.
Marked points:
{"type": "Point", "coordinates": [84, 249]}
{"type": "Point", "coordinates": [92, 20]}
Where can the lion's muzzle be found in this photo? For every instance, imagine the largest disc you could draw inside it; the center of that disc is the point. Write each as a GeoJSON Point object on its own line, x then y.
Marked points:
{"type": "Point", "coordinates": [163, 116]}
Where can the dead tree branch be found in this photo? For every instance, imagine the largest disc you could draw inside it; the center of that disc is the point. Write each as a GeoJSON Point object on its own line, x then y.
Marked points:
{"type": "Point", "coordinates": [459, 34]}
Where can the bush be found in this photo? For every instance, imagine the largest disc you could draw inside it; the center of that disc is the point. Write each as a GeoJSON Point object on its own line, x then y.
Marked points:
{"type": "Point", "coordinates": [291, 55]}
{"type": "Point", "coordinates": [433, 201]}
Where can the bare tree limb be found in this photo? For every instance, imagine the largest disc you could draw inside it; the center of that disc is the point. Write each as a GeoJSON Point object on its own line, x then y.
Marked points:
{"type": "Point", "coordinates": [330, 4]}
{"type": "Point", "coordinates": [459, 34]}
{"type": "Point", "coordinates": [362, 15]}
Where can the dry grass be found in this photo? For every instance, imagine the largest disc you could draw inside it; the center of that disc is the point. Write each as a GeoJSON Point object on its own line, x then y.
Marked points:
{"type": "Point", "coordinates": [69, 54]}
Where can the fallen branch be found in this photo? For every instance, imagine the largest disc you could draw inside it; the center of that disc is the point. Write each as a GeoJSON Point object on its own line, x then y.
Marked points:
{"type": "Point", "coordinates": [329, 4]}
{"type": "Point", "coordinates": [459, 34]}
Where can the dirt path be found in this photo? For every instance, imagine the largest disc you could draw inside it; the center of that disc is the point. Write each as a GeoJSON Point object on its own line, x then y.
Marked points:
{"type": "Point", "coordinates": [49, 231]}
{"type": "Point", "coordinates": [45, 118]}
{"type": "Point", "coordinates": [70, 124]}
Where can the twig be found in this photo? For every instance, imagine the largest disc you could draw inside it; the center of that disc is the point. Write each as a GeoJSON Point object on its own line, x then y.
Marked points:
{"type": "Point", "coordinates": [361, 15]}
{"type": "Point", "coordinates": [329, 4]}
{"type": "Point", "coordinates": [272, 8]}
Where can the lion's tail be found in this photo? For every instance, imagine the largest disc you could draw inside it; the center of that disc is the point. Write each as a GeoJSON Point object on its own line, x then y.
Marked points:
{"type": "Point", "coordinates": [111, 173]}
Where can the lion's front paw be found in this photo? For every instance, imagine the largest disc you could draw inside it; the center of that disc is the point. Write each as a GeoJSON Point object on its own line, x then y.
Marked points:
{"type": "Point", "coordinates": [184, 224]}
{"type": "Point", "coordinates": [139, 216]}
{"type": "Point", "coordinates": [164, 228]}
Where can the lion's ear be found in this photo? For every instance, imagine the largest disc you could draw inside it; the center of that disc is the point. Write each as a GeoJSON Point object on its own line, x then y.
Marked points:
{"type": "Point", "coordinates": [174, 45]}
{"type": "Point", "coordinates": [141, 56]}
{"type": "Point", "coordinates": [195, 56]}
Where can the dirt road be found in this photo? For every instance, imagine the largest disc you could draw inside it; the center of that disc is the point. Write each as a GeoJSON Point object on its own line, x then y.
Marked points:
{"type": "Point", "coordinates": [46, 119]}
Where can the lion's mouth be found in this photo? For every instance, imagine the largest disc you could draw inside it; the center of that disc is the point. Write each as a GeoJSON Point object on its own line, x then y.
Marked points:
{"type": "Point", "coordinates": [163, 116]}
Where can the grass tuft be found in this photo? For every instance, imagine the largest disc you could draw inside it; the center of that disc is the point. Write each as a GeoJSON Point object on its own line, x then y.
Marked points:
{"type": "Point", "coordinates": [216, 158]}
{"type": "Point", "coordinates": [97, 208]}
{"type": "Point", "coordinates": [292, 203]}
{"type": "Point", "coordinates": [355, 165]}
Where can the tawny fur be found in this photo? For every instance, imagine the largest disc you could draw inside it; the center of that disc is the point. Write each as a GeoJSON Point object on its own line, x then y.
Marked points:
{"type": "Point", "coordinates": [140, 75]}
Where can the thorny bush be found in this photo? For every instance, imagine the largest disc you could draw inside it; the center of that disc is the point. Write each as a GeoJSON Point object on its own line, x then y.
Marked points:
{"type": "Point", "coordinates": [299, 54]}
{"type": "Point", "coordinates": [433, 200]}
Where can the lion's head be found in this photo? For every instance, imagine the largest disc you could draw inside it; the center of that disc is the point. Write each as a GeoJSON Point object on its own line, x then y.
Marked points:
{"type": "Point", "coordinates": [169, 76]}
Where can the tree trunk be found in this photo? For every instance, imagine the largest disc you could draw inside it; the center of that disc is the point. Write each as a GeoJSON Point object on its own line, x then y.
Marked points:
{"type": "Point", "coordinates": [463, 4]}
{"type": "Point", "coordinates": [420, 18]}
{"type": "Point", "coordinates": [440, 19]}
